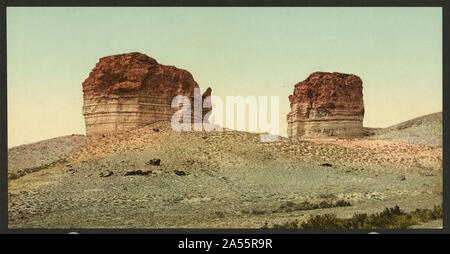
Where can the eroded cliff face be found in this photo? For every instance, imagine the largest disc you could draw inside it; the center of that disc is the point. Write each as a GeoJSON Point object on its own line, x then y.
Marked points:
{"type": "Point", "coordinates": [130, 90]}
{"type": "Point", "coordinates": [327, 105]}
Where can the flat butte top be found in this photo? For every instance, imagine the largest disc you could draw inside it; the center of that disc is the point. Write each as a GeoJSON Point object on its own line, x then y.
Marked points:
{"type": "Point", "coordinates": [329, 90]}
{"type": "Point", "coordinates": [136, 72]}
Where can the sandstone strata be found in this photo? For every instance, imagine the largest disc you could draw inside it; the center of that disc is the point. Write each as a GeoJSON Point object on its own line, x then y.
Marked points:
{"type": "Point", "coordinates": [327, 105]}
{"type": "Point", "coordinates": [127, 91]}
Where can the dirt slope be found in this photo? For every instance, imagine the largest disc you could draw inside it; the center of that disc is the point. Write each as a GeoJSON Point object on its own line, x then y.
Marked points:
{"type": "Point", "coordinates": [424, 130]}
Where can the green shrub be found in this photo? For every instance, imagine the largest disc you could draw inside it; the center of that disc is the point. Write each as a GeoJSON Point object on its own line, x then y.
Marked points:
{"type": "Point", "coordinates": [342, 203]}
{"type": "Point", "coordinates": [220, 214]}
{"type": "Point", "coordinates": [258, 212]}
{"type": "Point", "coordinates": [287, 225]}
{"type": "Point", "coordinates": [290, 206]}
{"type": "Point", "coordinates": [390, 218]}
{"type": "Point", "coordinates": [12, 176]}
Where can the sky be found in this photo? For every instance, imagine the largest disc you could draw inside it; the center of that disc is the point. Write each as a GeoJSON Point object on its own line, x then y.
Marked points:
{"type": "Point", "coordinates": [256, 51]}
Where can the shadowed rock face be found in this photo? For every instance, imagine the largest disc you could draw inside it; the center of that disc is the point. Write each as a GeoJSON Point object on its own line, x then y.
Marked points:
{"type": "Point", "coordinates": [327, 105]}
{"type": "Point", "coordinates": [131, 90]}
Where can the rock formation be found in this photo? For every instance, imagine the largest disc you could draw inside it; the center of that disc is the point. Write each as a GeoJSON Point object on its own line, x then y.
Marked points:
{"type": "Point", "coordinates": [327, 105]}
{"type": "Point", "coordinates": [131, 90]}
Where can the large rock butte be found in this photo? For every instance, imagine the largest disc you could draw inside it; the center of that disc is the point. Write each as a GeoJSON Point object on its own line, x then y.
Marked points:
{"type": "Point", "coordinates": [130, 90]}
{"type": "Point", "coordinates": [327, 105]}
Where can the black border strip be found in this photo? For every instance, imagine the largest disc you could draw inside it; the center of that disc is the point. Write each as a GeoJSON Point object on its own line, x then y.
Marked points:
{"type": "Point", "coordinates": [3, 123]}
{"type": "Point", "coordinates": [229, 3]}
{"type": "Point", "coordinates": [445, 108]}
{"type": "Point", "coordinates": [319, 3]}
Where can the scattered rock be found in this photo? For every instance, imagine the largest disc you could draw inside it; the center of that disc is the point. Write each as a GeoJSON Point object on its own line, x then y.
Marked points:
{"type": "Point", "coordinates": [155, 129]}
{"type": "Point", "coordinates": [180, 172]}
{"type": "Point", "coordinates": [178, 199]}
{"type": "Point", "coordinates": [138, 172]}
{"type": "Point", "coordinates": [401, 178]}
{"type": "Point", "coordinates": [106, 174]}
{"type": "Point", "coordinates": [154, 162]}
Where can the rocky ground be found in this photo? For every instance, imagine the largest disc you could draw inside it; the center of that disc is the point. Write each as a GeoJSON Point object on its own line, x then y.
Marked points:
{"type": "Point", "coordinates": [224, 179]}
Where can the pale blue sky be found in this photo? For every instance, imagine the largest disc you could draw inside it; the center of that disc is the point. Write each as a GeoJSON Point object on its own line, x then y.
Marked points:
{"type": "Point", "coordinates": [397, 52]}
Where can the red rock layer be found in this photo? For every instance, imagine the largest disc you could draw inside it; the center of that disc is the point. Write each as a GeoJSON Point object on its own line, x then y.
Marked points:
{"type": "Point", "coordinates": [327, 105]}
{"type": "Point", "coordinates": [131, 90]}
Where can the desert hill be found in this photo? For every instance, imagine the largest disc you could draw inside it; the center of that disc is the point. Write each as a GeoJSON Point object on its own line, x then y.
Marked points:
{"type": "Point", "coordinates": [36, 156]}
{"type": "Point", "coordinates": [424, 130]}
{"type": "Point", "coordinates": [153, 177]}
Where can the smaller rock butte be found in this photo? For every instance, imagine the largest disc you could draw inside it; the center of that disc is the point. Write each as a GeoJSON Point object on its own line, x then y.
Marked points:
{"type": "Point", "coordinates": [327, 105]}
{"type": "Point", "coordinates": [126, 91]}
